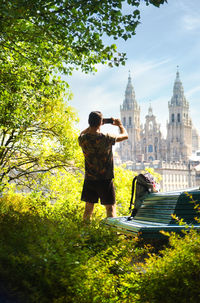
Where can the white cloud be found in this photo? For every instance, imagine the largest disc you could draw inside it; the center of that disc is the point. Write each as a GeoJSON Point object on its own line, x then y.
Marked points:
{"type": "Point", "coordinates": [189, 12]}
{"type": "Point", "coordinates": [193, 90]}
{"type": "Point", "coordinates": [141, 68]}
{"type": "Point", "coordinates": [152, 77]}
{"type": "Point", "coordinates": [191, 22]}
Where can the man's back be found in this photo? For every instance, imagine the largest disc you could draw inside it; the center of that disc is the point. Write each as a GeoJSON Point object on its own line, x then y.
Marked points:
{"type": "Point", "coordinates": [97, 149]}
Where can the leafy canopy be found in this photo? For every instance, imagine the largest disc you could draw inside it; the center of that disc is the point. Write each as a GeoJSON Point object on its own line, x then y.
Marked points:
{"type": "Point", "coordinates": [68, 34]}
{"type": "Point", "coordinates": [37, 39]}
{"type": "Point", "coordinates": [36, 125]}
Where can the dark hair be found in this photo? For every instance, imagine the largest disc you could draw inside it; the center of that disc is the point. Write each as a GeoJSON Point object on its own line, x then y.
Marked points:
{"type": "Point", "coordinates": [95, 118]}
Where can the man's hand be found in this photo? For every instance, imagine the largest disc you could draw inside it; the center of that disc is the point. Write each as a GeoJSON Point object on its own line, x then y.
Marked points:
{"type": "Point", "coordinates": [117, 122]}
{"type": "Point", "coordinates": [123, 133]}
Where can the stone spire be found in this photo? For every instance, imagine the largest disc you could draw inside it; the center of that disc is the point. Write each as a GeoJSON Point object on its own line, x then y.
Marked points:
{"type": "Point", "coordinates": [150, 110]}
{"type": "Point", "coordinates": [130, 117]}
{"type": "Point", "coordinates": [129, 101]}
{"type": "Point", "coordinates": [178, 98]}
{"type": "Point", "coordinates": [179, 127]}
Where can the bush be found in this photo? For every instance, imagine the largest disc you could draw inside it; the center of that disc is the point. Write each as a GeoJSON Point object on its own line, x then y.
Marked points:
{"type": "Point", "coordinates": [48, 256]}
{"type": "Point", "coordinates": [123, 185]}
{"type": "Point", "coordinates": [44, 247]}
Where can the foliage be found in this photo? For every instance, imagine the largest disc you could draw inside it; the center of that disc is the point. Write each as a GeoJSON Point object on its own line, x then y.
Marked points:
{"type": "Point", "coordinates": [123, 184]}
{"type": "Point", "coordinates": [37, 130]}
{"type": "Point", "coordinates": [67, 34]}
{"type": "Point", "coordinates": [38, 40]}
{"type": "Point", "coordinates": [44, 246]}
{"type": "Point", "coordinates": [172, 276]}
{"type": "Point", "coordinates": [48, 255]}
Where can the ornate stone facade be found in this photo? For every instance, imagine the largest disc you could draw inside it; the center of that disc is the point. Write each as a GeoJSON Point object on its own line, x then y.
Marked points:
{"type": "Point", "coordinates": [171, 156]}
{"type": "Point", "coordinates": [152, 144]}
{"type": "Point", "coordinates": [147, 143]}
{"type": "Point", "coordinates": [130, 117]}
{"type": "Point", "coordinates": [179, 127]}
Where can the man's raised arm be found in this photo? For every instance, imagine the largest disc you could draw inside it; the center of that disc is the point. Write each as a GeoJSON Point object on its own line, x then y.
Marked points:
{"type": "Point", "coordinates": [123, 135]}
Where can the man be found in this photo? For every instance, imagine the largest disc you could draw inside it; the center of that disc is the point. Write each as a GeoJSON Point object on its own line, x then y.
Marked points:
{"type": "Point", "coordinates": [99, 170]}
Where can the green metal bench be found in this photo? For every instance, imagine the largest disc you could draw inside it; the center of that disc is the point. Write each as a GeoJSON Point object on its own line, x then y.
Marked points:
{"type": "Point", "coordinates": [156, 212]}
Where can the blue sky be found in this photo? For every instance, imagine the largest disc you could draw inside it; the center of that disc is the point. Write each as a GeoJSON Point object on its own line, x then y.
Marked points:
{"type": "Point", "coordinates": [167, 36]}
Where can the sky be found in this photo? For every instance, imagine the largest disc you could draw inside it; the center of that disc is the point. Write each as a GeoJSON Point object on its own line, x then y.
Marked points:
{"type": "Point", "coordinates": [167, 37]}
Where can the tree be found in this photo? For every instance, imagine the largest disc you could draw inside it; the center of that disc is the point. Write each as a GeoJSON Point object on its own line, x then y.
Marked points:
{"type": "Point", "coordinates": [36, 125]}
{"type": "Point", "coordinates": [68, 33]}
{"type": "Point", "coordinates": [37, 39]}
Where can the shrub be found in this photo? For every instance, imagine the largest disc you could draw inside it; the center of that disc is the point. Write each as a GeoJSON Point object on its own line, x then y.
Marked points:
{"type": "Point", "coordinates": [123, 185]}
{"type": "Point", "coordinates": [44, 247]}
{"type": "Point", "coordinates": [170, 276]}
{"type": "Point", "coordinates": [48, 256]}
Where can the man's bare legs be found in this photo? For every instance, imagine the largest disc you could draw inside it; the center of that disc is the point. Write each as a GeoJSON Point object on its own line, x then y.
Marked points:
{"type": "Point", "coordinates": [110, 210]}
{"type": "Point", "coordinates": [89, 207]}
{"type": "Point", "coordinates": [88, 211]}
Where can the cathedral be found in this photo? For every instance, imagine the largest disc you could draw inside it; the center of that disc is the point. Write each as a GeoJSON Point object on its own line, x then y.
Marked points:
{"type": "Point", "coordinates": [146, 143]}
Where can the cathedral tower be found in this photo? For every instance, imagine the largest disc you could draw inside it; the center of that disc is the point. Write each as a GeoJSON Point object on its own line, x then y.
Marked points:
{"type": "Point", "coordinates": [153, 146]}
{"type": "Point", "coordinates": [179, 127]}
{"type": "Point", "coordinates": [130, 117]}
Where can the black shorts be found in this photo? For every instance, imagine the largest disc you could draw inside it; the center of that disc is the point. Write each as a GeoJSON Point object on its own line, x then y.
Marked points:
{"type": "Point", "coordinates": [93, 190]}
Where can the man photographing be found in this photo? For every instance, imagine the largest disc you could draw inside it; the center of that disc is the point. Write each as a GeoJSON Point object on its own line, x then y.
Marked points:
{"type": "Point", "coordinates": [99, 169]}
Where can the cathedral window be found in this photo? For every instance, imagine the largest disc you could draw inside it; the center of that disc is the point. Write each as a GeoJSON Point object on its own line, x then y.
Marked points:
{"type": "Point", "coordinates": [179, 118]}
{"type": "Point", "coordinates": [150, 125]}
{"type": "Point", "coordinates": [124, 121]}
{"type": "Point", "coordinates": [175, 152]}
{"type": "Point", "coordinates": [130, 122]}
{"type": "Point", "coordinates": [150, 148]}
{"type": "Point", "coordinates": [176, 99]}
{"type": "Point", "coordinates": [172, 117]}
{"type": "Point", "coordinates": [144, 141]}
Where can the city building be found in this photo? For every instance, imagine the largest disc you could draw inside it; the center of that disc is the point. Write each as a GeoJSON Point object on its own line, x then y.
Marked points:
{"type": "Point", "coordinates": [130, 117]}
{"type": "Point", "coordinates": [146, 146]}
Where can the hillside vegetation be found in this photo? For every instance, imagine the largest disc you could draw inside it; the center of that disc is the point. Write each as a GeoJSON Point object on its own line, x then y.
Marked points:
{"type": "Point", "coordinates": [48, 255]}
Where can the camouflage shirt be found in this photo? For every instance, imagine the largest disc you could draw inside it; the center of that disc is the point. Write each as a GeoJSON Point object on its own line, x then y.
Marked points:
{"type": "Point", "coordinates": [97, 150]}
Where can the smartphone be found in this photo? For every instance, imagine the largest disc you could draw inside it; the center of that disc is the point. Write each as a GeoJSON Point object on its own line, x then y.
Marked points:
{"type": "Point", "coordinates": [107, 121]}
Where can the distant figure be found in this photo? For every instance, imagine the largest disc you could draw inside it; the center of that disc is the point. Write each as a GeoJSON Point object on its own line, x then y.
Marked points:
{"type": "Point", "coordinates": [99, 169]}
